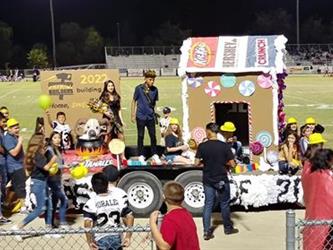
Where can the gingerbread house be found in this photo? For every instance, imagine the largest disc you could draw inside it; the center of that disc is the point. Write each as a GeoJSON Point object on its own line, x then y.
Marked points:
{"type": "Point", "coordinates": [238, 79]}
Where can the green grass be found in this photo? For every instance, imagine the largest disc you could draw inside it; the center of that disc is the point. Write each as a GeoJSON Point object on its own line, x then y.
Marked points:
{"type": "Point", "coordinates": [305, 96]}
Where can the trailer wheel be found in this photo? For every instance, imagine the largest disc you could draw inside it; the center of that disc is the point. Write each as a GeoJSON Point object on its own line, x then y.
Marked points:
{"type": "Point", "coordinates": [194, 196]}
{"type": "Point", "coordinates": [144, 192]}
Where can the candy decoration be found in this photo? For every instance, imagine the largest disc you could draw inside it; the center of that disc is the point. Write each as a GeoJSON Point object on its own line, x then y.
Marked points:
{"type": "Point", "coordinates": [195, 82]}
{"type": "Point", "coordinates": [44, 102]}
{"type": "Point", "coordinates": [212, 89]}
{"type": "Point", "coordinates": [256, 147]}
{"type": "Point", "coordinates": [265, 138]}
{"type": "Point", "coordinates": [198, 134]}
{"type": "Point", "coordinates": [265, 81]}
{"type": "Point", "coordinates": [116, 146]}
{"type": "Point", "coordinates": [228, 80]}
{"type": "Point", "coordinates": [79, 172]}
{"type": "Point", "coordinates": [246, 88]}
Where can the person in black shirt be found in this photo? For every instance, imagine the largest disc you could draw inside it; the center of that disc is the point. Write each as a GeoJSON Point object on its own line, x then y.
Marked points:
{"type": "Point", "coordinates": [174, 144]}
{"type": "Point", "coordinates": [36, 161]}
{"type": "Point", "coordinates": [215, 156]}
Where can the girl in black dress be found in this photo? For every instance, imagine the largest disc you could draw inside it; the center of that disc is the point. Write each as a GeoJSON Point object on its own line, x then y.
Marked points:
{"type": "Point", "coordinates": [113, 114]}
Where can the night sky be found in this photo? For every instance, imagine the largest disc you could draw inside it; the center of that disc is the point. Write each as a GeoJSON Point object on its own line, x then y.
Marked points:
{"type": "Point", "coordinates": [31, 21]}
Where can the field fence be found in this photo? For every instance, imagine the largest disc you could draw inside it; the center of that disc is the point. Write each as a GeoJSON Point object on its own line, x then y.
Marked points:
{"type": "Point", "coordinates": [308, 234]}
{"type": "Point", "coordinates": [70, 239]}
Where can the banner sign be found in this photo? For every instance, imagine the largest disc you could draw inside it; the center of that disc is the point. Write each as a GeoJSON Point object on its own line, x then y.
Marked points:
{"type": "Point", "coordinates": [70, 91]}
{"type": "Point", "coordinates": [232, 54]}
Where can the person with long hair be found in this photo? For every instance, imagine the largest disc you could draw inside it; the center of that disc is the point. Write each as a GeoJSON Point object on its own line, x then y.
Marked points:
{"type": "Point", "coordinates": [55, 181]}
{"type": "Point", "coordinates": [318, 195]}
{"type": "Point", "coordinates": [39, 166]}
{"type": "Point", "coordinates": [174, 144]}
{"type": "Point", "coordinates": [111, 97]}
{"type": "Point", "coordinates": [291, 127]}
{"type": "Point", "coordinates": [304, 140]}
{"type": "Point", "coordinates": [289, 157]}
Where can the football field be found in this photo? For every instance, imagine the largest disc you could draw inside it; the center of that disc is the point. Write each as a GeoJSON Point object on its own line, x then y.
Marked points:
{"type": "Point", "coordinates": [306, 95]}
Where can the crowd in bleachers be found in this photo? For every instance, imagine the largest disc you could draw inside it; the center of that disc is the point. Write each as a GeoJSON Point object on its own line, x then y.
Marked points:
{"type": "Point", "coordinates": [313, 54]}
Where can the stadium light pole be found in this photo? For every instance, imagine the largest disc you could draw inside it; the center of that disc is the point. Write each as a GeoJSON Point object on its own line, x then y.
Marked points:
{"type": "Point", "coordinates": [118, 33]}
{"type": "Point", "coordinates": [297, 23]}
{"type": "Point", "coordinates": [53, 36]}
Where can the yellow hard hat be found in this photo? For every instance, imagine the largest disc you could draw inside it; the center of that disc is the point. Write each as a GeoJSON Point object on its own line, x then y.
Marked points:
{"type": "Point", "coordinates": [228, 127]}
{"type": "Point", "coordinates": [11, 122]}
{"type": "Point", "coordinates": [310, 120]}
{"type": "Point", "coordinates": [53, 169]}
{"type": "Point", "coordinates": [316, 138]}
{"type": "Point", "coordinates": [174, 121]}
{"type": "Point", "coordinates": [291, 120]}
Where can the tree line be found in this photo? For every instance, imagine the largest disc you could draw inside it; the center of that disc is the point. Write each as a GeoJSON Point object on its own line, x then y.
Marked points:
{"type": "Point", "coordinates": [83, 45]}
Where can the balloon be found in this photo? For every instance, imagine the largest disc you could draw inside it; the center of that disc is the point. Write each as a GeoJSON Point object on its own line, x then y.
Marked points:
{"type": "Point", "coordinates": [53, 169]}
{"type": "Point", "coordinates": [44, 101]}
{"type": "Point", "coordinates": [79, 172]}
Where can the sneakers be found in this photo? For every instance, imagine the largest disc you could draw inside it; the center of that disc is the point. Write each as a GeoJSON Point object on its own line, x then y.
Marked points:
{"type": "Point", "coordinates": [208, 236]}
{"type": "Point", "coordinates": [5, 221]}
{"type": "Point", "coordinates": [232, 231]}
{"type": "Point", "coordinates": [141, 159]}
{"type": "Point", "coordinates": [157, 159]}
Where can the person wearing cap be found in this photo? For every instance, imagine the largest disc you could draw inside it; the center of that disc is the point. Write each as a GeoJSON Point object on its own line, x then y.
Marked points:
{"type": "Point", "coordinates": [174, 144]}
{"type": "Point", "coordinates": [13, 145]}
{"type": "Point", "coordinates": [226, 131]}
{"type": "Point", "coordinates": [143, 113]}
{"type": "Point", "coordinates": [164, 123]}
{"type": "Point", "coordinates": [315, 127]}
{"type": "Point", "coordinates": [216, 158]}
{"type": "Point", "coordinates": [291, 127]}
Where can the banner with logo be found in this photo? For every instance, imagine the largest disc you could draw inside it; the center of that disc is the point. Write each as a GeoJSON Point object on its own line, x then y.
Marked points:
{"type": "Point", "coordinates": [232, 54]}
{"type": "Point", "coordinates": [70, 91]}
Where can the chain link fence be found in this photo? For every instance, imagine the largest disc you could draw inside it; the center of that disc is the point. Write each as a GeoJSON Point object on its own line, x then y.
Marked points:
{"type": "Point", "coordinates": [308, 234]}
{"type": "Point", "coordinates": [69, 239]}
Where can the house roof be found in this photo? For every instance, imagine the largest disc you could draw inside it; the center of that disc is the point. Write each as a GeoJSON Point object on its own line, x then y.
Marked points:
{"type": "Point", "coordinates": [233, 54]}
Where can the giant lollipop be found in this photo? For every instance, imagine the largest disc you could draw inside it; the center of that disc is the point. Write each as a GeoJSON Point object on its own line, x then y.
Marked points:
{"type": "Point", "coordinates": [44, 102]}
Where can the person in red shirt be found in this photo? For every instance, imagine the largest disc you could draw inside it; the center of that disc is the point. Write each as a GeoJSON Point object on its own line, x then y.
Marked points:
{"type": "Point", "coordinates": [178, 230]}
{"type": "Point", "coordinates": [317, 182]}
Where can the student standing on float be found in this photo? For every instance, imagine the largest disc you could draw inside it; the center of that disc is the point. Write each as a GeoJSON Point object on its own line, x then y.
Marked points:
{"type": "Point", "coordinates": [143, 113]}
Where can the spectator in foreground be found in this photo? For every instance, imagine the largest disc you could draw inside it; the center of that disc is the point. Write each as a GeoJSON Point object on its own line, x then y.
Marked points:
{"type": "Point", "coordinates": [216, 157]}
{"type": "Point", "coordinates": [37, 162]}
{"type": "Point", "coordinates": [318, 195]}
{"type": "Point", "coordinates": [13, 145]}
{"type": "Point", "coordinates": [104, 211]}
{"type": "Point", "coordinates": [178, 230]}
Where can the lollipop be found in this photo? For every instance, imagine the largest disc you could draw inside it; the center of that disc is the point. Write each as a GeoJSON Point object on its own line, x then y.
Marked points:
{"type": "Point", "coordinates": [256, 147]}
{"type": "Point", "coordinates": [212, 89]}
{"type": "Point", "coordinates": [44, 101]}
{"type": "Point", "coordinates": [265, 81]}
{"type": "Point", "coordinates": [195, 82]}
{"type": "Point", "coordinates": [116, 146]}
{"type": "Point", "coordinates": [228, 80]}
{"type": "Point", "coordinates": [246, 88]}
{"type": "Point", "coordinates": [198, 134]}
{"type": "Point", "coordinates": [265, 138]}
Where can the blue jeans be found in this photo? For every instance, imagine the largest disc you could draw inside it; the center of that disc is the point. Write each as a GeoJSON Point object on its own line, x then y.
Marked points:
{"type": "Point", "coordinates": [110, 242]}
{"type": "Point", "coordinates": [40, 190]}
{"type": "Point", "coordinates": [285, 168]}
{"type": "Point", "coordinates": [58, 194]}
{"type": "Point", "coordinates": [223, 198]}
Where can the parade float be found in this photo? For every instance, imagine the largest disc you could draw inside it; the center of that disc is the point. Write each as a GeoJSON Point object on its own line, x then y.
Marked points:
{"type": "Point", "coordinates": [238, 79]}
